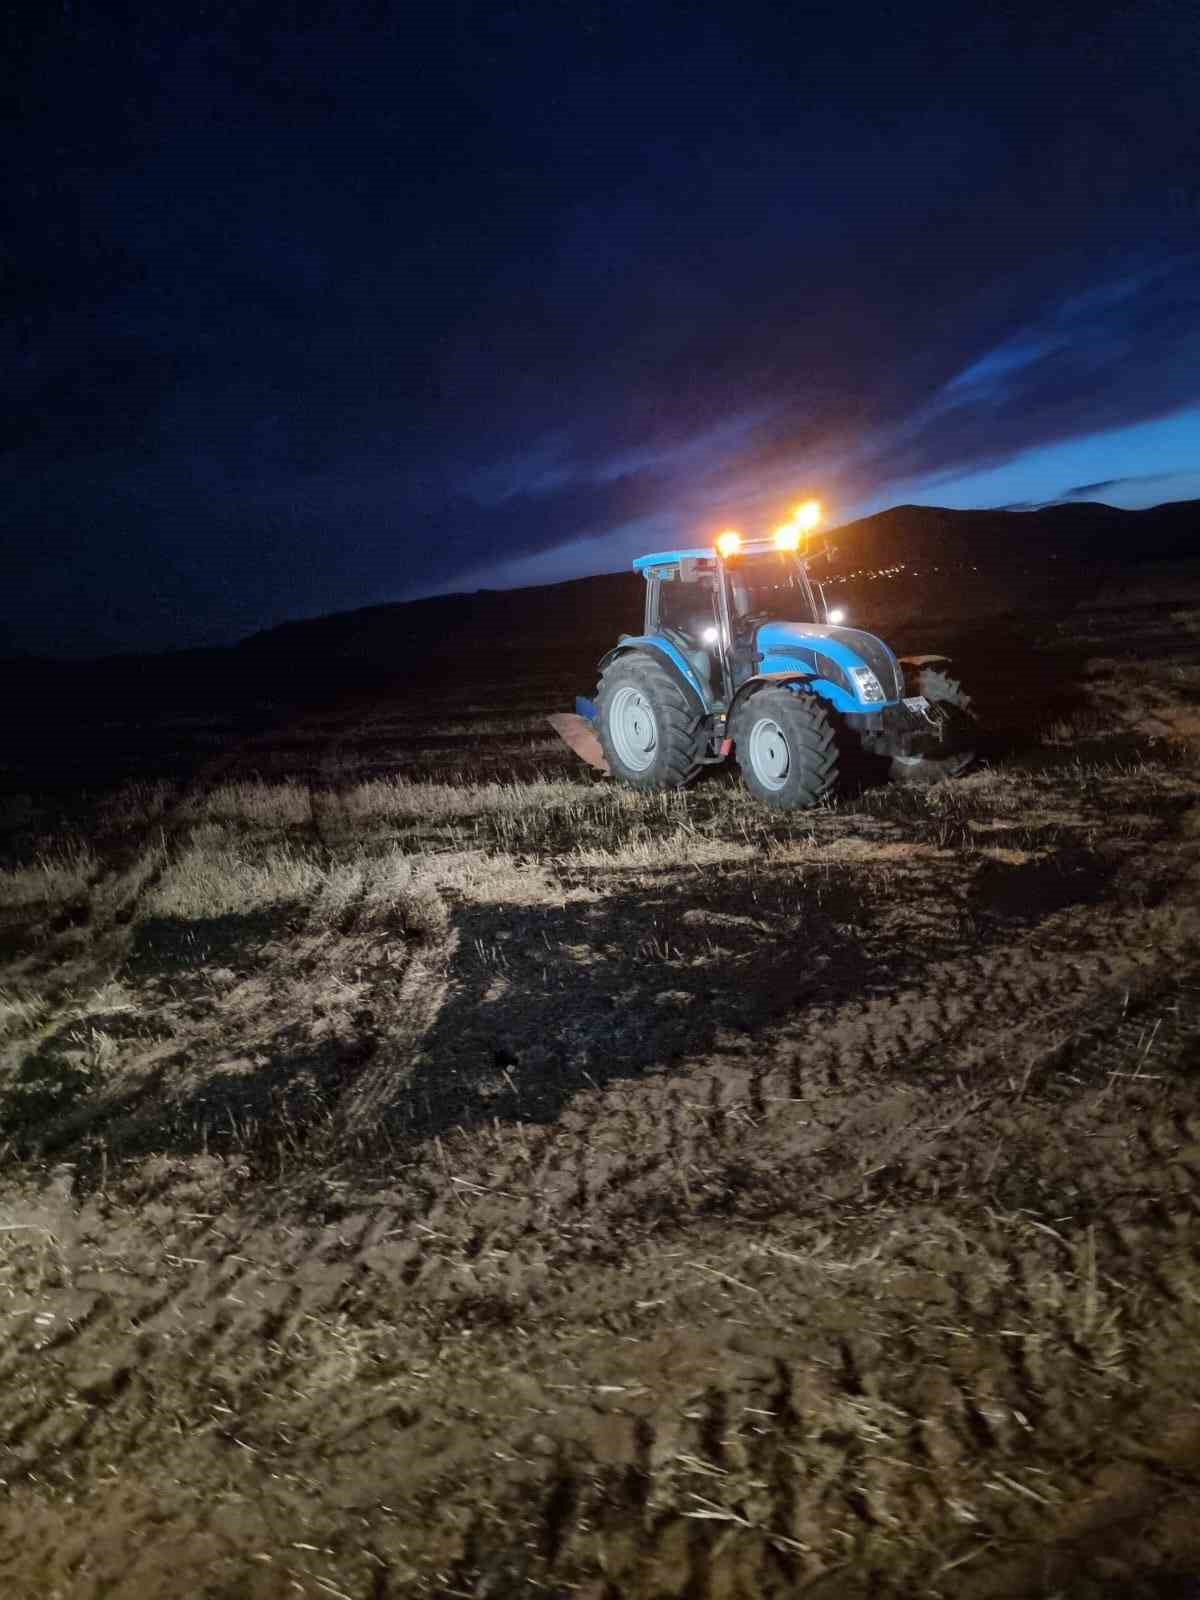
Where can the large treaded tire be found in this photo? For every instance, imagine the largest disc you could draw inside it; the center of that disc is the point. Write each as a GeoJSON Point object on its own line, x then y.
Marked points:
{"type": "Point", "coordinates": [646, 724]}
{"type": "Point", "coordinates": [787, 748]}
{"type": "Point", "coordinates": [948, 696]}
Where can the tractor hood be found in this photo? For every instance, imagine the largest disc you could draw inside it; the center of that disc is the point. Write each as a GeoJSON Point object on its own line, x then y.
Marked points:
{"type": "Point", "coordinates": [830, 653]}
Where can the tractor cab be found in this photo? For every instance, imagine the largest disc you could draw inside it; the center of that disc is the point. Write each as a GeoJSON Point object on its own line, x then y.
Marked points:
{"type": "Point", "coordinates": [709, 604]}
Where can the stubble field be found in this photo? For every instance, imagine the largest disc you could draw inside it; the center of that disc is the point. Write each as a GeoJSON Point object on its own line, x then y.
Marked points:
{"type": "Point", "coordinates": [427, 1169]}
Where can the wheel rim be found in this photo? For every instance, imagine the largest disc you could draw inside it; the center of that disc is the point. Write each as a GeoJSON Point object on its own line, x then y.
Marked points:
{"type": "Point", "coordinates": [633, 728]}
{"type": "Point", "coordinates": [770, 758]}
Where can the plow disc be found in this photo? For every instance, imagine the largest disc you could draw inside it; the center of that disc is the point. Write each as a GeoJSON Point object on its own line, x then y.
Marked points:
{"type": "Point", "coordinates": [580, 734]}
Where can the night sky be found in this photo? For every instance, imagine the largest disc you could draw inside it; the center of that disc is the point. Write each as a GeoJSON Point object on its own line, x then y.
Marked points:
{"type": "Point", "coordinates": [310, 307]}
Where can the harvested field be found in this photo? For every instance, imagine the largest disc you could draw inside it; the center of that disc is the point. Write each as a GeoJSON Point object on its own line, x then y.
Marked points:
{"type": "Point", "coordinates": [429, 1170]}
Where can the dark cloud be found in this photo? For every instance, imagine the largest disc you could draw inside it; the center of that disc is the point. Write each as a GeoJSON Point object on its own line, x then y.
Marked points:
{"type": "Point", "coordinates": [1145, 486]}
{"type": "Point", "coordinates": [333, 304]}
{"type": "Point", "coordinates": [1123, 352]}
{"type": "Point", "coordinates": [1096, 491]}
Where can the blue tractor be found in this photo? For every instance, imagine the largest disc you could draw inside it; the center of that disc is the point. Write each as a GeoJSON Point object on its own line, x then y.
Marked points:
{"type": "Point", "coordinates": [739, 653]}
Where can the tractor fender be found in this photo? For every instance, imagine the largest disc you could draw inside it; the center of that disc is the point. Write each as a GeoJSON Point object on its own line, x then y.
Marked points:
{"type": "Point", "coordinates": [812, 683]}
{"type": "Point", "coordinates": [675, 660]}
{"type": "Point", "coordinates": [764, 680]}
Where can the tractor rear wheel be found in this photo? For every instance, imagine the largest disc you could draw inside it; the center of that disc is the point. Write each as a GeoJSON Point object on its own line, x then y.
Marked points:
{"type": "Point", "coordinates": [787, 748]}
{"type": "Point", "coordinates": [646, 724]}
{"type": "Point", "coordinates": [951, 702]}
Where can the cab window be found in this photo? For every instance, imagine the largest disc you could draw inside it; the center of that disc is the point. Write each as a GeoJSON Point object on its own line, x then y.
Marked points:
{"type": "Point", "coordinates": [688, 607]}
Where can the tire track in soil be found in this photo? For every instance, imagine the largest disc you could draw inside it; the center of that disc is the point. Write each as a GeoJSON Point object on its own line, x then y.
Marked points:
{"type": "Point", "coordinates": [109, 935]}
{"type": "Point", "coordinates": [852, 1067]}
{"type": "Point", "coordinates": [416, 997]}
{"type": "Point", "coordinates": [794, 1108]}
{"type": "Point", "coordinates": [111, 940]}
{"type": "Point", "coordinates": [1076, 1004]}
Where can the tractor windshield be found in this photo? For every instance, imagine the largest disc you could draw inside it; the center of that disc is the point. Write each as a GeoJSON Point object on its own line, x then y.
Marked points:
{"type": "Point", "coordinates": [771, 583]}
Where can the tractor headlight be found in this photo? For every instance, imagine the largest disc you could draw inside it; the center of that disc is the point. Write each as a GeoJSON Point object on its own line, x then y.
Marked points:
{"type": "Point", "coordinates": [868, 685]}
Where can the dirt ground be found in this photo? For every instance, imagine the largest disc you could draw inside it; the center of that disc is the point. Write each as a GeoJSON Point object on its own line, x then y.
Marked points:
{"type": "Point", "coordinates": [430, 1170]}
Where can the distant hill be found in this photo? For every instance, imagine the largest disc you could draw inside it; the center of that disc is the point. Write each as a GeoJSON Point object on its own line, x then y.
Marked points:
{"type": "Point", "coordinates": [907, 573]}
{"type": "Point", "coordinates": [1059, 539]}
{"type": "Point", "coordinates": [454, 622]}
{"type": "Point", "coordinates": [355, 648]}
{"type": "Point", "coordinates": [1084, 531]}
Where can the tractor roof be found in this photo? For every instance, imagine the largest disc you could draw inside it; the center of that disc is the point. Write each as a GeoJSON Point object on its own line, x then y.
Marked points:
{"type": "Point", "coordinates": [671, 558]}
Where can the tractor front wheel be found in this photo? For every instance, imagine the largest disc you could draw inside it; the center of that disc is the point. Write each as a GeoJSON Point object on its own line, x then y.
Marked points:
{"type": "Point", "coordinates": [787, 748]}
{"type": "Point", "coordinates": [646, 725]}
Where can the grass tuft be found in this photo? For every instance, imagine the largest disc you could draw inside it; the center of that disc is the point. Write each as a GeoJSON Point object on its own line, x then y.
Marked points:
{"type": "Point", "coordinates": [216, 875]}
{"type": "Point", "coordinates": [59, 875]}
{"type": "Point", "coordinates": [276, 805]}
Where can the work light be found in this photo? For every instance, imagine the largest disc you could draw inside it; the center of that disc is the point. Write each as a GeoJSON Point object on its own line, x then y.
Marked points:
{"type": "Point", "coordinates": [806, 516]}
